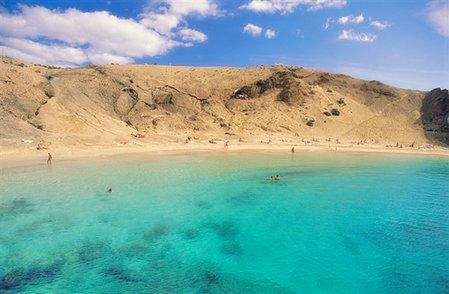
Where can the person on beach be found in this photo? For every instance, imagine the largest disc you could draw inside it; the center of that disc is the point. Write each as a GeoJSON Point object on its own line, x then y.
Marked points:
{"type": "Point", "coordinates": [49, 159]}
{"type": "Point", "coordinates": [293, 149]}
{"type": "Point", "coordinates": [226, 146]}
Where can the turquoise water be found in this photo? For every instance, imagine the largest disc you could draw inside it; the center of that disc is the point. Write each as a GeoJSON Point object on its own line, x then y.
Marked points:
{"type": "Point", "coordinates": [211, 223]}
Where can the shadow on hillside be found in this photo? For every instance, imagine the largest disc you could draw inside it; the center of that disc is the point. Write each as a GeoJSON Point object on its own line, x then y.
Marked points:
{"type": "Point", "coordinates": [435, 116]}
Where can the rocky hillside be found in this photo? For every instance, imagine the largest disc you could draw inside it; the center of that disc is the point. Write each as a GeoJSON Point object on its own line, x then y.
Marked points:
{"type": "Point", "coordinates": [435, 115]}
{"type": "Point", "coordinates": [103, 105]}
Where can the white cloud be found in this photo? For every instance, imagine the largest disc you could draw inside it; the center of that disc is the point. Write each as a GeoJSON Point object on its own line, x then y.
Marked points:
{"type": "Point", "coordinates": [105, 58]}
{"type": "Point", "coordinates": [270, 33]}
{"type": "Point", "coordinates": [39, 53]}
{"type": "Point", "coordinates": [287, 6]}
{"type": "Point", "coordinates": [161, 23]}
{"type": "Point", "coordinates": [168, 14]}
{"type": "Point", "coordinates": [354, 36]}
{"type": "Point", "coordinates": [328, 23]}
{"type": "Point", "coordinates": [381, 25]}
{"type": "Point", "coordinates": [359, 19]}
{"type": "Point", "coordinates": [261, 6]}
{"type": "Point", "coordinates": [100, 31]}
{"type": "Point", "coordinates": [192, 35]}
{"type": "Point", "coordinates": [255, 30]}
{"type": "Point", "coordinates": [321, 4]}
{"type": "Point", "coordinates": [438, 15]}
{"type": "Point", "coordinates": [252, 29]}
{"type": "Point", "coordinates": [350, 19]}
{"type": "Point", "coordinates": [199, 7]}
{"type": "Point", "coordinates": [99, 37]}
{"type": "Point", "coordinates": [345, 20]}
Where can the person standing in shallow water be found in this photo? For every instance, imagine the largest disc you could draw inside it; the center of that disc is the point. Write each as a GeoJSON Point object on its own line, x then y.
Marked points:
{"type": "Point", "coordinates": [49, 159]}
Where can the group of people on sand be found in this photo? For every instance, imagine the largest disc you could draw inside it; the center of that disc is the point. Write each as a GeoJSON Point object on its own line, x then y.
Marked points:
{"type": "Point", "coordinates": [41, 146]}
{"type": "Point", "coordinates": [214, 141]}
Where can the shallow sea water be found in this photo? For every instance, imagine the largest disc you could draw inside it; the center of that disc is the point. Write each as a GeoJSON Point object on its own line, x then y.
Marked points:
{"type": "Point", "coordinates": [212, 223]}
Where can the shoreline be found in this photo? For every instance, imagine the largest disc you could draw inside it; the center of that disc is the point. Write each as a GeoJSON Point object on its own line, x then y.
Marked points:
{"type": "Point", "coordinates": [26, 158]}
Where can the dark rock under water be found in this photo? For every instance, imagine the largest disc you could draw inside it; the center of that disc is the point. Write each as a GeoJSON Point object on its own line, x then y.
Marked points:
{"type": "Point", "coordinates": [120, 274]}
{"type": "Point", "coordinates": [16, 207]}
{"type": "Point", "coordinates": [191, 234]}
{"type": "Point", "coordinates": [90, 251]}
{"type": "Point", "coordinates": [231, 248]}
{"type": "Point", "coordinates": [18, 278]}
{"type": "Point", "coordinates": [157, 232]}
{"type": "Point", "coordinates": [226, 229]}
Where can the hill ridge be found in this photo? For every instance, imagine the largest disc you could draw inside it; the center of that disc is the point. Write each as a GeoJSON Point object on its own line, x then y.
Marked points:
{"type": "Point", "coordinates": [103, 105]}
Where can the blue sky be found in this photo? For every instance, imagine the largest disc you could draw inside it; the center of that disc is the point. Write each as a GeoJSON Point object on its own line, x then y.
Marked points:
{"type": "Point", "coordinates": [403, 43]}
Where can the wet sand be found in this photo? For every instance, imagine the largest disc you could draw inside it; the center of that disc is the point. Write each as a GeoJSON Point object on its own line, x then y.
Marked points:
{"type": "Point", "coordinates": [11, 158]}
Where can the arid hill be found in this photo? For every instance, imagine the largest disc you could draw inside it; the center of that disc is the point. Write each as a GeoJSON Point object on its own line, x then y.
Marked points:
{"type": "Point", "coordinates": [104, 105]}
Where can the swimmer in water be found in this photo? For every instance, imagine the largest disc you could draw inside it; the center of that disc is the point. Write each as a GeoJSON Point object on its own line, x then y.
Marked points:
{"type": "Point", "coordinates": [109, 190]}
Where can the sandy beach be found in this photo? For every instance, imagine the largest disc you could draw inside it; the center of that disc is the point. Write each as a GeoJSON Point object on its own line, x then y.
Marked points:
{"type": "Point", "coordinates": [29, 157]}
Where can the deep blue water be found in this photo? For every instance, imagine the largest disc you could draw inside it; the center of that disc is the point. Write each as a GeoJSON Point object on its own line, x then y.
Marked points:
{"type": "Point", "coordinates": [212, 223]}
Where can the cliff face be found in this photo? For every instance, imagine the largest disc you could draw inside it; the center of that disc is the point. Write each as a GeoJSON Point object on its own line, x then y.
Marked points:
{"type": "Point", "coordinates": [104, 105]}
{"type": "Point", "coordinates": [435, 115]}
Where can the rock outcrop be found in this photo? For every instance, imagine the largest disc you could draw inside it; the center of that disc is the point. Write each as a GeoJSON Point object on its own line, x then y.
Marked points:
{"type": "Point", "coordinates": [435, 114]}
